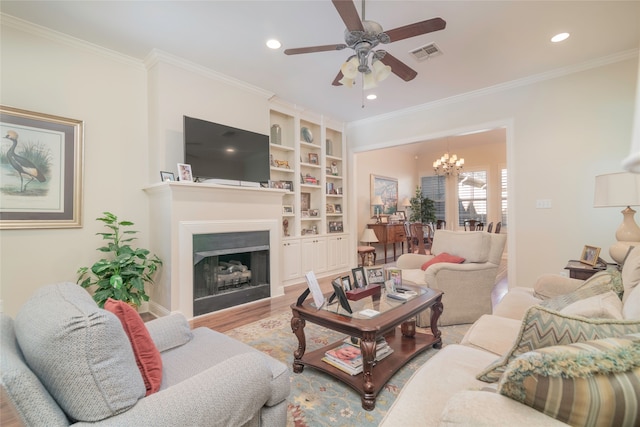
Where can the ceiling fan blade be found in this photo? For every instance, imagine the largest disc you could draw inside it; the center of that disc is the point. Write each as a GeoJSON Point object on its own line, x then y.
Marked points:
{"type": "Point", "coordinates": [399, 68]}
{"type": "Point", "coordinates": [347, 11]}
{"type": "Point", "coordinates": [336, 81]}
{"type": "Point", "coordinates": [412, 30]}
{"type": "Point", "coordinates": [312, 49]}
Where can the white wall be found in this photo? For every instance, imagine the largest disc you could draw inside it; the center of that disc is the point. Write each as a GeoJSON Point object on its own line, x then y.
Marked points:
{"type": "Point", "coordinates": [561, 133]}
{"type": "Point", "coordinates": [108, 93]}
{"type": "Point", "coordinates": [133, 129]}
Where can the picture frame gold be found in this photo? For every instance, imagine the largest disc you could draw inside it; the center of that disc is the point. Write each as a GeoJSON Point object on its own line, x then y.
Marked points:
{"type": "Point", "coordinates": [387, 189]}
{"type": "Point", "coordinates": [54, 147]}
{"type": "Point", "coordinates": [590, 255]}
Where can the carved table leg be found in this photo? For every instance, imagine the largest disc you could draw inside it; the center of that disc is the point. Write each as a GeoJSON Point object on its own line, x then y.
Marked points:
{"type": "Point", "coordinates": [297, 326]}
{"type": "Point", "coordinates": [436, 311]}
{"type": "Point", "coordinates": [368, 348]}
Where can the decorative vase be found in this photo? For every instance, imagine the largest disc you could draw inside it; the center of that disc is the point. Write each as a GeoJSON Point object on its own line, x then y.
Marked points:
{"type": "Point", "coordinates": [329, 147]}
{"type": "Point", "coordinates": [276, 134]}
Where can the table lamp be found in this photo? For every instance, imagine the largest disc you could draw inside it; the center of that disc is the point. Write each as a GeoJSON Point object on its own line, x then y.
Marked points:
{"type": "Point", "coordinates": [377, 204]}
{"type": "Point", "coordinates": [368, 237]}
{"type": "Point", "coordinates": [622, 190]}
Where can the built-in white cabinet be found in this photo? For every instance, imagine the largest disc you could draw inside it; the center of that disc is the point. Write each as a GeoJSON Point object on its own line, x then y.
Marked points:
{"type": "Point", "coordinates": [314, 254]}
{"type": "Point", "coordinates": [337, 253]}
{"type": "Point", "coordinates": [308, 158]}
{"type": "Point", "coordinates": [291, 260]}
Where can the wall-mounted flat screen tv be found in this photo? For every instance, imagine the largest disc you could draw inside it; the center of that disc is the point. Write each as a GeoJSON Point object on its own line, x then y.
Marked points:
{"type": "Point", "coordinates": [219, 152]}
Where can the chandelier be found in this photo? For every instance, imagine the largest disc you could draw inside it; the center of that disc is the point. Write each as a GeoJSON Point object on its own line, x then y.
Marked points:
{"type": "Point", "coordinates": [448, 165]}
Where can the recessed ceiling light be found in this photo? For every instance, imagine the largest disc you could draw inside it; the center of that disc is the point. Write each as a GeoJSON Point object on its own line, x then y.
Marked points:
{"type": "Point", "coordinates": [560, 37]}
{"type": "Point", "coordinates": [372, 96]}
{"type": "Point", "coordinates": [230, 150]}
{"type": "Point", "coordinates": [274, 44]}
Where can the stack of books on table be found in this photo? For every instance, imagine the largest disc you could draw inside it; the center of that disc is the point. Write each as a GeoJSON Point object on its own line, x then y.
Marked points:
{"type": "Point", "coordinates": [348, 358]}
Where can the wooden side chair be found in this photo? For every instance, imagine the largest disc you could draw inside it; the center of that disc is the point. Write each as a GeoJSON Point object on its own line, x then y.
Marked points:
{"type": "Point", "coordinates": [498, 227]}
{"type": "Point", "coordinates": [490, 227]}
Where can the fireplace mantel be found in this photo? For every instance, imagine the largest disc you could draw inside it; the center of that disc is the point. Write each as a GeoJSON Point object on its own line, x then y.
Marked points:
{"type": "Point", "coordinates": [180, 209]}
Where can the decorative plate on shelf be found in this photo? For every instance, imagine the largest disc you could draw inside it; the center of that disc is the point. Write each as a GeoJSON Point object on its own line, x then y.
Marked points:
{"type": "Point", "coordinates": [306, 135]}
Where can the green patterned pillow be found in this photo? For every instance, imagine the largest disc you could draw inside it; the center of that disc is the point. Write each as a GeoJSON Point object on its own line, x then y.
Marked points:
{"type": "Point", "coordinates": [593, 383]}
{"type": "Point", "coordinates": [542, 327]}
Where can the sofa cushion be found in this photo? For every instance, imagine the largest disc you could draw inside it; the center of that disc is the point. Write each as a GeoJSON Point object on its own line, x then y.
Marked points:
{"type": "Point", "coordinates": [631, 272]}
{"type": "Point", "coordinates": [590, 289]}
{"type": "Point", "coordinates": [542, 327]}
{"type": "Point", "coordinates": [472, 246]}
{"type": "Point", "coordinates": [492, 333]}
{"type": "Point", "coordinates": [443, 257]}
{"type": "Point", "coordinates": [79, 352]}
{"type": "Point", "coordinates": [147, 355]}
{"type": "Point", "coordinates": [631, 308]}
{"type": "Point", "coordinates": [603, 306]}
{"type": "Point", "coordinates": [584, 384]}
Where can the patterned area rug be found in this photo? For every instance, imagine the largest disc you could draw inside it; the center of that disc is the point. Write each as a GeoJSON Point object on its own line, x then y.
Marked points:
{"type": "Point", "coordinates": [317, 399]}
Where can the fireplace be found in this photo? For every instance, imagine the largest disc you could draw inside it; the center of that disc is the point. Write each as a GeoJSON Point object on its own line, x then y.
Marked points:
{"type": "Point", "coordinates": [229, 269]}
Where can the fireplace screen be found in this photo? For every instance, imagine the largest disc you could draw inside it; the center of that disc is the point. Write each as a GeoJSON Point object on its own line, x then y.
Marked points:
{"type": "Point", "coordinates": [229, 269]}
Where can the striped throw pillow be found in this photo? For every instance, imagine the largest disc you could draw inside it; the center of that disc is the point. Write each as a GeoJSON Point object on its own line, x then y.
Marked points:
{"type": "Point", "coordinates": [593, 383]}
{"type": "Point", "coordinates": [542, 327]}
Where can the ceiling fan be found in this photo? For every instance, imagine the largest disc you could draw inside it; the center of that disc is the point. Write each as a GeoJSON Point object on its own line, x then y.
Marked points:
{"type": "Point", "coordinates": [363, 36]}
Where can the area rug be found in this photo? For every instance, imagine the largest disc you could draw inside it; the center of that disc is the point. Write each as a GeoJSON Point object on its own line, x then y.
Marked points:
{"type": "Point", "coordinates": [316, 398]}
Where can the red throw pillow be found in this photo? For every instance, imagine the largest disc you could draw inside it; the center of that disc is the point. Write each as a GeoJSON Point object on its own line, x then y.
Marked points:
{"type": "Point", "coordinates": [147, 355]}
{"type": "Point", "coordinates": [443, 257]}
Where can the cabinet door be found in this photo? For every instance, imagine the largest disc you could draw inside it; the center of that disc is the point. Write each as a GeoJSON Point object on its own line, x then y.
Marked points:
{"type": "Point", "coordinates": [314, 255]}
{"type": "Point", "coordinates": [337, 253]}
{"type": "Point", "coordinates": [291, 260]}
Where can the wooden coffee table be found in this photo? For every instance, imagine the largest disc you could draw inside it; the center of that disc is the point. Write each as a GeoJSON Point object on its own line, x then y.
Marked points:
{"type": "Point", "coordinates": [392, 314]}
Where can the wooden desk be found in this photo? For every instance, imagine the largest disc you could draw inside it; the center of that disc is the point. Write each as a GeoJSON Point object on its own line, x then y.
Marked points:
{"type": "Point", "coordinates": [389, 233]}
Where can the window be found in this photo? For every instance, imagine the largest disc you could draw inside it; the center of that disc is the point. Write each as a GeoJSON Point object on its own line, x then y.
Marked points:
{"type": "Point", "coordinates": [434, 188]}
{"type": "Point", "coordinates": [472, 196]}
{"type": "Point", "coordinates": [504, 193]}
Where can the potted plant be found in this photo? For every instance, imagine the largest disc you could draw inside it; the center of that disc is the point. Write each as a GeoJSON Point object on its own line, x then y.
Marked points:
{"type": "Point", "coordinates": [123, 275]}
{"type": "Point", "coordinates": [422, 208]}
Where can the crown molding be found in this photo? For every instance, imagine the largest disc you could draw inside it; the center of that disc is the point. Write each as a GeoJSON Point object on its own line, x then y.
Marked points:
{"type": "Point", "coordinates": [549, 75]}
{"type": "Point", "coordinates": [158, 56]}
{"type": "Point", "coordinates": [65, 39]}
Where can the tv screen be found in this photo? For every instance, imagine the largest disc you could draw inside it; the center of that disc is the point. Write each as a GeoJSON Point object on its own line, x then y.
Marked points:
{"type": "Point", "coordinates": [217, 151]}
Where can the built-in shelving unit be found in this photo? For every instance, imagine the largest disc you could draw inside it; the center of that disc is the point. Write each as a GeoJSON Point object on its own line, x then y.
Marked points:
{"type": "Point", "coordinates": [307, 157]}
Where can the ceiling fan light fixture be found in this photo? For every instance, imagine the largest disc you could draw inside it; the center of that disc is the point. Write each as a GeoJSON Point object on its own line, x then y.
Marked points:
{"type": "Point", "coordinates": [381, 71]}
{"type": "Point", "coordinates": [350, 68]}
{"type": "Point", "coordinates": [346, 81]}
{"type": "Point", "coordinates": [369, 81]}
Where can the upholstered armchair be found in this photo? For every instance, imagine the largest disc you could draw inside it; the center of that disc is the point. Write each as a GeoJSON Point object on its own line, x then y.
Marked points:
{"type": "Point", "coordinates": [464, 265]}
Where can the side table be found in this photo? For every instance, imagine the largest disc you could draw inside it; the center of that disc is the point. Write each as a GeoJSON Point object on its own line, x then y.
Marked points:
{"type": "Point", "coordinates": [579, 270]}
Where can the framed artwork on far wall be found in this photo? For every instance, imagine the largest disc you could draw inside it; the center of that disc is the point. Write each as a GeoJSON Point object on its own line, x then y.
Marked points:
{"type": "Point", "coordinates": [41, 185]}
{"type": "Point", "coordinates": [387, 189]}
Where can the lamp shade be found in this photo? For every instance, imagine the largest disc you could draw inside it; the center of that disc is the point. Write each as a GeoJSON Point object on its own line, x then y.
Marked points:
{"type": "Point", "coordinates": [617, 189]}
{"type": "Point", "coordinates": [377, 201]}
{"type": "Point", "coordinates": [405, 202]}
{"type": "Point", "coordinates": [368, 236]}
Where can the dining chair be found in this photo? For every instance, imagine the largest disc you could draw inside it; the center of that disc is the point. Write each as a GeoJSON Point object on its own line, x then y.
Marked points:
{"type": "Point", "coordinates": [441, 224]}
{"type": "Point", "coordinates": [418, 238]}
{"type": "Point", "coordinates": [490, 227]}
{"type": "Point", "coordinates": [471, 223]}
{"type": "Point", "coordinates": [498, 227]}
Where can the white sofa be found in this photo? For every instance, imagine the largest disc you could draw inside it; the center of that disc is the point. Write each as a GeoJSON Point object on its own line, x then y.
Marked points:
{"type": "Point", "coordinates": [467, 286]}
{"type": "Point", "coordinates": [530, 325]}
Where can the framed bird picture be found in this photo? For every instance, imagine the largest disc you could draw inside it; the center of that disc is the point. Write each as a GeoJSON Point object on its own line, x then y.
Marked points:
{"type": "Point", "coordinates": [41, 184]}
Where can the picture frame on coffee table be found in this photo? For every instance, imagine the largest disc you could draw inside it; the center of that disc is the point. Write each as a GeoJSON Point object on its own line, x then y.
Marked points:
{"type": "Point", "coordinates": [359, 278]}
{"type": "Point", "coordinates": [374, 274]}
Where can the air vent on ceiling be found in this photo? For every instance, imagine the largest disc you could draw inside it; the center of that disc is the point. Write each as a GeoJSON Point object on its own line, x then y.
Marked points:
{"type": "Point", "coordinates": [425, 52]}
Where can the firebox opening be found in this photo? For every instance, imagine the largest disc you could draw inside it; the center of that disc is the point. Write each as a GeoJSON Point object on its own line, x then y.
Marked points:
{"type": "Point", "coordinates": [229, 269]}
